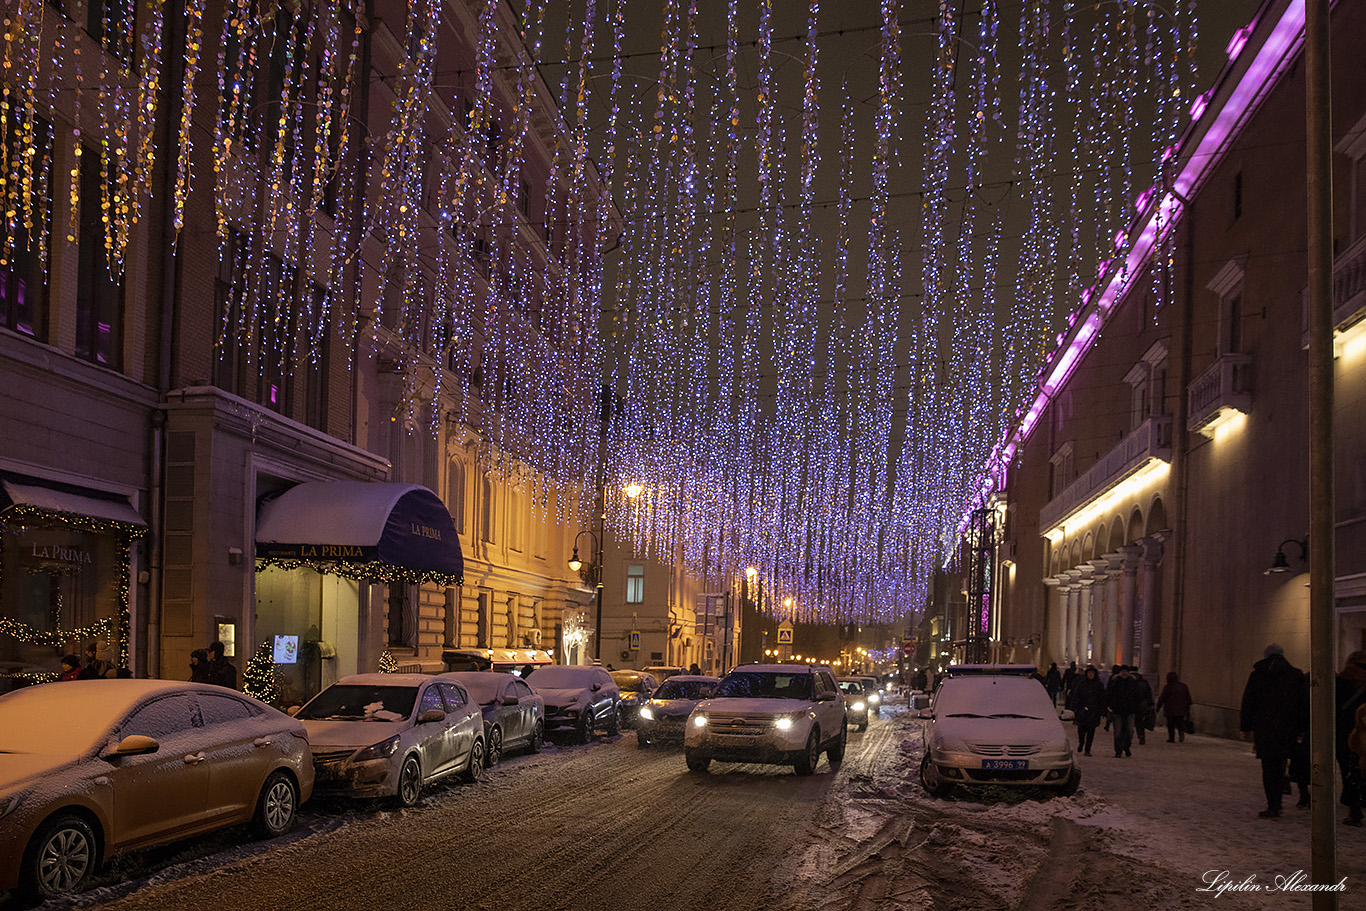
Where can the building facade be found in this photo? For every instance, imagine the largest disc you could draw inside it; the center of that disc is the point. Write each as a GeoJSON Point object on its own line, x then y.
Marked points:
{"type": "Point", "coordinates": [1164, 467]}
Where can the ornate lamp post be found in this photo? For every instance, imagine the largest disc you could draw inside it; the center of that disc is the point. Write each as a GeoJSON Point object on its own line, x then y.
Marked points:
{"type": "Point", "coordinates": [594, 576]}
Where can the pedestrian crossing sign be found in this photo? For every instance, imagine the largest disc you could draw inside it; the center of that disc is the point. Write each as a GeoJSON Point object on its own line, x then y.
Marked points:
{"type": "Point", "coordinates": [635, 640]}
{"type": "Point", "coordinates": [784, 635]}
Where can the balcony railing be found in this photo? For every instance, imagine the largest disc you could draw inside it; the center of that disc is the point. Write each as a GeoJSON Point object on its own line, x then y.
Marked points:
{"type": "Point", "coordinates": [1223, 385]}
{"type": "Point", "coordinates": [1152, 439]}
{"type": "Point", "coordinates": [1349, 291]}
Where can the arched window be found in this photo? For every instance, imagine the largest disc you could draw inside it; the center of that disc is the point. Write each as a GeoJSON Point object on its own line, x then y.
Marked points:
{"type": "Point", "coordinates": [455, 493]}
{"type": "Point", "coordinates": [486, 510]}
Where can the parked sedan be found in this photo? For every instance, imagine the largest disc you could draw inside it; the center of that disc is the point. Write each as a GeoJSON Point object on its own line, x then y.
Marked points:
{"type": "Point", "coordinates": [514, 715]}
{"type": "Point", "coordinates": [995, 729]}
{"type": "Point", "coordinates": [390, 735]}
{"type": "Point", "coordinates": [855, 700]}
{"type": "Point", "coordinates": [579, 699]}
{"type": "Point", "coordinates": [636, 688]}
{"type": "Point", "coordinates": [664, 717]}
{"type": "Point", "coordinates": [90, 768]}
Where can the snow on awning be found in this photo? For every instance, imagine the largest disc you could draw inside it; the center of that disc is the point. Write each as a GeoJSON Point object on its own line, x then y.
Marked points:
{"type": "Point", "coordinates": [36, 500]}
{"type": "Point", "coordinates": [360, 530]}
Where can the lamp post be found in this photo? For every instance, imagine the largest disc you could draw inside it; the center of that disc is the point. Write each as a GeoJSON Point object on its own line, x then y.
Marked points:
{"type": "Point", "coordinates": [595, 576]}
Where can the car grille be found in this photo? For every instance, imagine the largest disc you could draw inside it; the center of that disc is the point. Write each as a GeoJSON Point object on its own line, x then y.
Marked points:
{"type": "Point", "coordinates": [986, 775]}
{"type": "Point", "coordinates": [736, 723]}
{"type": "Point", "coordinates": [1004, 749]}
{"type": "Point", "coordinates": [330, 756]}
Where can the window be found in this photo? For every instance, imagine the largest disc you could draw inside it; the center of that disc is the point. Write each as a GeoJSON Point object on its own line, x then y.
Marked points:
{"type": "Point", "coordinates": [455, 493]}
{"type": "Point", "coordinates": [431, 699]}
{"type": "Point", "coordinates": [1228, 286]}
{"type": "Point", "coordinates": [486, 510]}
{"type": "Point", "coordinates": [163, 718]}
{"type": "Point", "coordinates": [1148, 385]}
{"type": "Point", "coordinates": [402, 622]}
{"type": "Point", "coordinates": [455, 696]}
{"type": "Point", "coordinates": [23, 251]}
{"type": "Point", "coordinates": [635, 585]}
{"type": "Point", "coordinates": [517, 520]}
{"type": "Point", "coordinates": [1060, 469]}
{"type": "Point", "coordinates": [222, 709]}
{"type": "Point", "coordinates": [278, 326]}
{"type": "Point", "coordinates": [1238, 196]}
{"type": "Point", "coordinates": [99, 293]}
{"type": "Point", "coordinates": [229, 363]}
{"type": "Point", "coordinates": [312, 374]}
{"type": "Point", "coordinates": [1353, 146]}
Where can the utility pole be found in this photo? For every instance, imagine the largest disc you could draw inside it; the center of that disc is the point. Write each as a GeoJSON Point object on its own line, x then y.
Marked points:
{"type": "Point", "coordinates": [1319, 149]}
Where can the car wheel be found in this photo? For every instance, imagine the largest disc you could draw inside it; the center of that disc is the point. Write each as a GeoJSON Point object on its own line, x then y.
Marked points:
{"type": "Point", "coordinates": [806, 762]}
{"type": "Point", "coordinates": [495, 750]}
{"type": "Point", "coordinates": [537, 737]}
{"type": "Point", "coordinates": [614, 721]}
{"type": "Point", "coordinates": [930, 779]}
{"type": "Point", "coordinates": [475, 769]}
{"type": "Point", "coordinates": [60, 859]}
{"type": "Point", "coordinates": [409, 782]}
{"type": "Point", "coordinates": [585, 731]}
{"type": "Point", "coordinates": [277, 806]}
{"type": "Point", "coordinates": [836, 752]}
{"type": "Point", "coordinates": [696, 761]}
{"type": "Point", "coordinates": [1073, 782]}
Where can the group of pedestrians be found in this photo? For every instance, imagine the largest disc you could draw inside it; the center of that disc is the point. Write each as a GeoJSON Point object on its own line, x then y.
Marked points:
{"type": "Point", "coordinates": [1124, 703]}
{"type": "Point", "coordinates": [93, 667]}
{"type": "Point", "coordinates": [1275, 717]}
{"type": "Point", "coordinates": [210, 666]}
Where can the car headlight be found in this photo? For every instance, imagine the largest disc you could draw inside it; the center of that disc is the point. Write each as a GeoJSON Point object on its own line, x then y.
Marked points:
{"type": "Point", "coordinates": [9, 803]}
{"type": "Point", "coordinates": [859, 706]}
{"type": "Point", "coordinates": [382, 750]}
{"type": "Point", "coordinates": [699, 720]}
{"type": "Point", "coordinates": [783, 724]}
{"type": "Point", "coordinates": [873, 698]}
{"type": "Point", "coordinates": [646, 713]}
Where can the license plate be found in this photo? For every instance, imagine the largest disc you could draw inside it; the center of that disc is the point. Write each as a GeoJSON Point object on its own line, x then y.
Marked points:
{"type": "Point", "coordinates": [1000, 765]}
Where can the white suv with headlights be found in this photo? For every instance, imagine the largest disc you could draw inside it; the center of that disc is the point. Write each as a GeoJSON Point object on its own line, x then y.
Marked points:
{"type": "Point", "coordinates": [772, 713]}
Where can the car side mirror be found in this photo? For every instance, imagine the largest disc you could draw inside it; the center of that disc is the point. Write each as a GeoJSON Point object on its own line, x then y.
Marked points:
{"type": "Point", "coordinates": [431, 716]}
{"type": "Point", "coordinates": [134, 745]}
{"type": "Point", "coordinates": [826, 696]}
{"type": "Point", "coordinates": [512, 700]}
{"type": "Point", "coordinates": [293, 710]}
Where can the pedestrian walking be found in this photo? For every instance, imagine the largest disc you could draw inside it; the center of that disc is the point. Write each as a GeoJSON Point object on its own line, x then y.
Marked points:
{"type": "Point", "coordinates": [1052, 681]}
{"type": "Point", "coordinates": [199, 666]}
{"type": "Point", "coordinates": [95, 666]}
{"type": "Point", "coordinates": [1069, 678]}
{"type": "Point", "coordinates": [1175, 702]}
{"type": "Point", "coordinates": [1146, 719]}
{"type": "Point", "coordinates": [220, 668]}
{"type": "Point", "coordinates": [1351, 696]}
{"type": "Point", "coordinates": [1087, 702]}
{"type": "Point", "coordinates": [1123, 699]}
{"type": "Point", "coordinates": [1275, 717]}
{"type": "Point", "coordinates": [71, 667]}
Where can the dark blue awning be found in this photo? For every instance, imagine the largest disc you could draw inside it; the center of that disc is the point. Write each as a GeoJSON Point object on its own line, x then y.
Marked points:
{"type": "Point", "coordinates": [361, 530]}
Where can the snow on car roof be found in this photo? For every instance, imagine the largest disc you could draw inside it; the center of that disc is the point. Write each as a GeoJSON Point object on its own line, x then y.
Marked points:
{"type": "Point", "coordinates": [776, 668]}
{"type": "Point", "coordinates": [384, 680]}
{"type": "Point", "coordinates": [483, 686]}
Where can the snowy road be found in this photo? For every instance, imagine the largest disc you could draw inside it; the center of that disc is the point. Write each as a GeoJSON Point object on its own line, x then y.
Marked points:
{"type": "Point", "coordinates": [607, 826]}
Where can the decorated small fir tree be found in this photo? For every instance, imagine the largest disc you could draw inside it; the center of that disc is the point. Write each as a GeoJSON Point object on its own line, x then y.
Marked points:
{"type": "Point", "coordinates": [258, 677]}
{"type": "Point", "coordinates": [387, 664]}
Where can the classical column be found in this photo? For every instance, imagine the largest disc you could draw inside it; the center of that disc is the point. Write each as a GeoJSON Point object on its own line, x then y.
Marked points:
{"type": "Point", "coordinates": [1148, 571]}
{"type": "Point", "coordinates": [1073, 611]}
{"type": "Point", "coordinates": [1128, 594]}
{"type": "Point", "coordinates": [1100, 593]}
{"type": "Point", "coordinates": [1053, 616]}
{"type": "Point", "coordinates": [1109, 622]}
{"type": "Point", "coordinates": [1082, 617]}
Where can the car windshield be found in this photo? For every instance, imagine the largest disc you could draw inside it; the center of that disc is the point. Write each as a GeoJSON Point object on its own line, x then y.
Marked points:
{"type": "Point", "coordinates": [561, 676]}
{"type": "Point", "coordinates": [993, 697]}
{"type": "Point", "coordinates": [356, 702]}
{"type": "Point", "coordinates": [681, 689]}
{"type": "Point", "coordinates": [851, 687]}
{"type": "Point", "coordinates": [765, 685]}
{"type": "Point", "coordinates": [627, 680]}
{"type": "Point", "coordinates": [58, 727]}
{"type": "Point", "coordinates": [482, 688]}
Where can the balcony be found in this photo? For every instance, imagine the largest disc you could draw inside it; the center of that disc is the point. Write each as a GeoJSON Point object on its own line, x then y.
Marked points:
{"type": "Point", "coordinates": [1135, 459]}
{"type": "Point", "coordinates": [1349, 294]}
{"type": "Point", "coordinates": [1218, 394]}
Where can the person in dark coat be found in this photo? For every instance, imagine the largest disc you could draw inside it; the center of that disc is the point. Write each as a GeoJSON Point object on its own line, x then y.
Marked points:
{"type": "Point", "coordinates": [1087, 702]}
{"type": "Point", "coordinates": [1351, 696]}
{"type": "Point", "coordinates": [95, 666]}
{"type": "Point", "coordinates": [1052, 681]}
{"type": "Point", "coordinates": [1175, 701]}
{"type": "Point", "coordinates": [199, 666]}
{"type": "Point", "coordinates": [220, 668]}
{"type": "Point", "coordinates": [1146, 718]}
{"type": "Point", "coordinates": [71, 668]}
{"type": "Point", "coordinates": [1124, 700]}
{"type": "Point", "coordinates": [1275, 717]}
{"type": "Point", "coordinates": [1069, 677]}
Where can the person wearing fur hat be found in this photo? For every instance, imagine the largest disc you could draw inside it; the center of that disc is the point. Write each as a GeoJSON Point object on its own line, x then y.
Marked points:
{"type": "Point", "coordinates": [1175, 701]}
{"type": "Point", "coordinates": [1275, 717]}
{"type": "Point", "coordinates": [1351, 697]}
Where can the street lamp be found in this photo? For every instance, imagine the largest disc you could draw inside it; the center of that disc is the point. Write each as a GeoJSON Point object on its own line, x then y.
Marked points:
{"type": "Point", "coordinates": [595, 576]}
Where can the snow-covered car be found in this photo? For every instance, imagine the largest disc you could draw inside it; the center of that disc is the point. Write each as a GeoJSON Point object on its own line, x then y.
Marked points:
{"type": "Point", "coordinates": [771, 713]}
{"type": "Point", "coordinates": [90, 768]}
{"type": "Point", "coordinates": [995, 729]}
{"type": "Point", "coordinates": [514, 715]}
{"type": "Point", "coordinates": [579, 699]}
{"type": "Point", "coordinates": [855, 700]}
{"type": "Point", "coordinates": [664, 716]}
{"type": "Point", "coordinates": [662, 672]}
{"type": "Point", "coordinates": [636, 688]}
{"type": "Point", "coordinates": [873, 691]}
{"type": "Point", "coordinates": [390, 735]}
